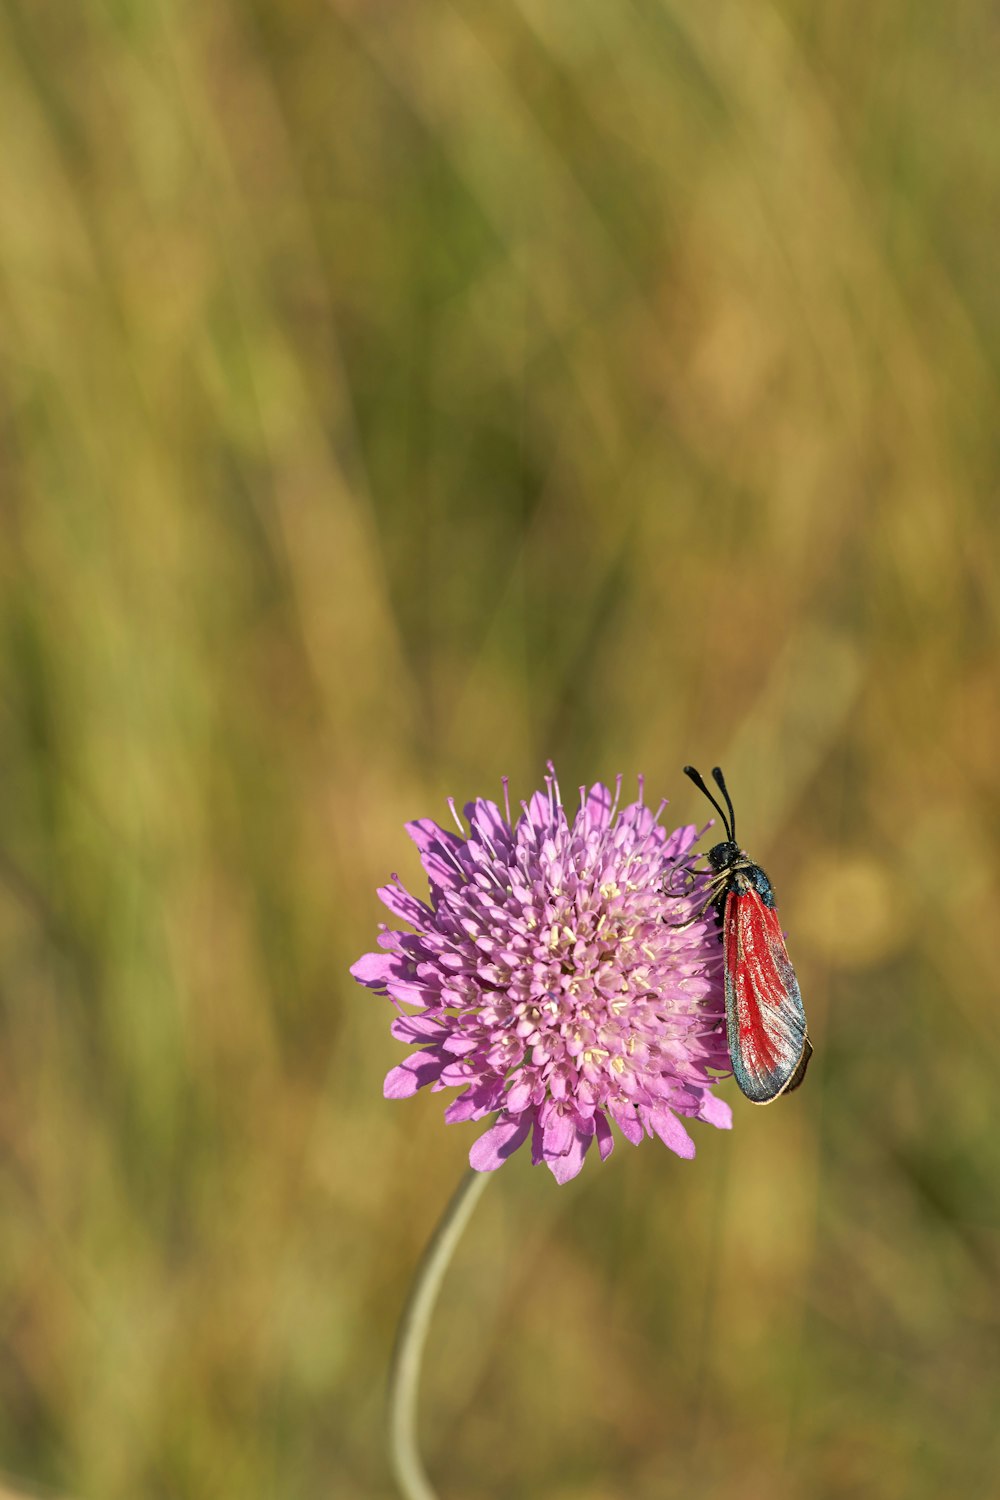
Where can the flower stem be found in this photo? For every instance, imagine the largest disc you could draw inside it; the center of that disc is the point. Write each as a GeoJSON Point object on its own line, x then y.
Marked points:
{"type": "Point", "coordinates": [411, 1336]}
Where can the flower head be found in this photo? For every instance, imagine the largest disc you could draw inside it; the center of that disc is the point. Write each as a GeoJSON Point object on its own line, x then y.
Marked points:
{"type": "Point", "coordinates": [564, 973]}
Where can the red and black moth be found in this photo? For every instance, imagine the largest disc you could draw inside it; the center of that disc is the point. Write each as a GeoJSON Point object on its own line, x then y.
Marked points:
{"type": "Point", "coordinates": [765, 1023]}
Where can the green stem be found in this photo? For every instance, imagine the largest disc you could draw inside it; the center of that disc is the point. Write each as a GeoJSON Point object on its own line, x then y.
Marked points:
{"type": "Point", "coordinates": [404, 1373]}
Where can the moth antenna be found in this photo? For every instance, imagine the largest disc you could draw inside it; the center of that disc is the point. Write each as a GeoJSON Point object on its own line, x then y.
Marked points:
{"type": "Point", "coordinates": [721, 782]}
{"type": "Point", "coordinates": [699, 782]}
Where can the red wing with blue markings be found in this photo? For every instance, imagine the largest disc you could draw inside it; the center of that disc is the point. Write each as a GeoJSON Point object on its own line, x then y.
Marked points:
{"type": "Point", "coordinates": [765, 1021]}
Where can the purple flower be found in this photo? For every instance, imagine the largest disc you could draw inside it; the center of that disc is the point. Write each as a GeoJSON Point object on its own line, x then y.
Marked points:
{"type": "Point", "coordinates": [563, 974]}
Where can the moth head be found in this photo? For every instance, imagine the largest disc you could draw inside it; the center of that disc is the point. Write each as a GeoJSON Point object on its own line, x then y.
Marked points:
{"type": "Point", "coordinates": [721, 856]}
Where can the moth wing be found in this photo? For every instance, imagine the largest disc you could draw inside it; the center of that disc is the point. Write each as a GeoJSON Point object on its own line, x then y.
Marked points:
{"type": "Point", "coordinates": [765, 1019]}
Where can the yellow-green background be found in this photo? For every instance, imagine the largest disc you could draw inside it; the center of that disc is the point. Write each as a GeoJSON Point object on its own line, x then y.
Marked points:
{"type": "Point", "coordinates": [393, 395]}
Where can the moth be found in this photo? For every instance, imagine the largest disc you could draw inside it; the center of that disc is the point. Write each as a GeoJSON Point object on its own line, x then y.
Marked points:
{"type": "Point", "coordinates": [765, 1021]}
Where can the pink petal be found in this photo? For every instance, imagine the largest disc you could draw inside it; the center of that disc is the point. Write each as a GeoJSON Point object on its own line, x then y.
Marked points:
{"type": "Point", "coordinates": [566, 1166]}
{"type": "Point", "coordinates": [475, 1103]}
{"type": "Point", "coordinates": [627, 1120]}
{"type": "Point", "coordinates": [374, 969]}
{"type": "Point", "coordinates": [680, 841]}
{"type": "Point", "coordinates": [495, 1145]}
{"type": "Point", "coordinates": [519, 1095]}
{"type": "Point", "coordinates": [416, 1029]}
{"type": "Point", "coordinates": [605, 1140]}
{"type": "Point", "coordinates": [597, 808]}
{"type": "Point", "coordinates": [442, 872]}
{"type": "Point", "coordinates": [425, 833]}
{"type": "Point", "coordinates": [457, 1074]}
{"type": "Point", "coordinates": [410, 992]}
{"type": "Point", "coordinates": [637, 815]}
{"type": "Point", "coordinates": [461, 1046]}
{"type": "Point", "coordinates": [417, 1070]}
{"type": "Point", "coordinates": [462, 1108]}
{"type": "Point", "coordinates": [540, 811]}
{"type": "Point", "coordinates": [438, 854]}
{"type": "Point", "coordinates": [488, 821]}
{"type": "Point", "coordinates": [716, 1112]}
{"type": "Point", "coordinates": [670, 1130]}
{"type": "Point", "coordinates": [558, 1133]}
{"type": "Point", "coordinates": [402, 904]}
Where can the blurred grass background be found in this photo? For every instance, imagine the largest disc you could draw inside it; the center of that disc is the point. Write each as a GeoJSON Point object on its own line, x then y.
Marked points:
{"type": "Point", "coordinates": [394, 396]}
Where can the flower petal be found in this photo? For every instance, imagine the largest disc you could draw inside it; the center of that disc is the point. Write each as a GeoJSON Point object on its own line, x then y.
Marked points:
{"type": "Point", "coordinates": [637, 815]}
{"type": "Point", "coordinates": [461, 1046]}
{"type": "Point", "coordinates": [462, 1108]}
{"type": "Point", "coordinates": [413, 1073]}
{"type": "Point", "coordinates": [403, 905]}
{"type": "Point", "coordinates": [670, 1130]}
{"type": "Point", "coordinates": [626, 1119]}
{"type": "Point", "coordinates": [427, 834]}
{"type": "Point", "coordinates": [558, 1132]}
{"type": "Point", "coordinates": [716, 1112]}
{"type": "Point", "coordinates": [417, 1029]}
{"type": "Point", "coordinates": [519, 1094]}
{"type": "Point", "coordinates": [495, 1145]}
{"type": "Point", "coordinates": [374, 969]}
{"type": "Point", "coordinates": [438, 854]}
{"type": "Point", "coordinates": [540, 811]}
{"type": "Point", "coordinates": [410, 992]}
{"type": "Point", "coordinates": [488, 821]}
{"type": "Point", "coordinates": [602, 1132]}
{"type": "Point", "coordinates": [475, 1103]}
{"type": "Point", "coordinates": [679, 842]}
{"type": "Point", "coordinates": [456, 1074]}
{"type": "Point", "coordinates": [597, 808]}
{"type": "Point", "coordinates": [568, 1164]}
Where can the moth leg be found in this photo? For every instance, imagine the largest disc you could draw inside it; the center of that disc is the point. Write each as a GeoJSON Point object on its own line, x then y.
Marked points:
{"type": "Point", "coordinates": [669, 889]}
{"type": "Point", "coordinates": [716, 889]}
